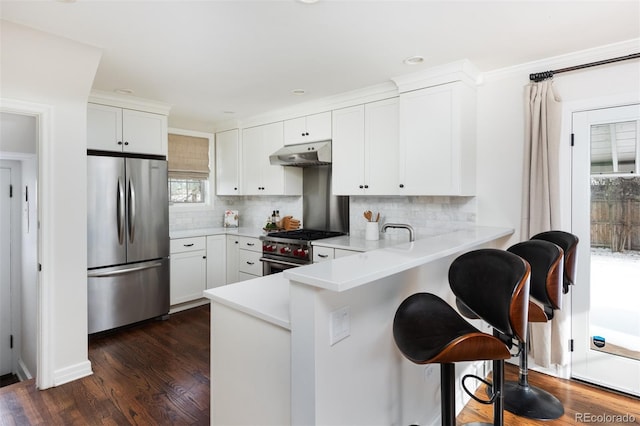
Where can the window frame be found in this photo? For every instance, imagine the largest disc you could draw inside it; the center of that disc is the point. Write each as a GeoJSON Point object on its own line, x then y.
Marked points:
{"type": "Point", "coordinates": [210, 183]}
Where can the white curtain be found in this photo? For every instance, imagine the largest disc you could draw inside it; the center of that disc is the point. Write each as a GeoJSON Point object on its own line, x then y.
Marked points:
{"type": "Point", "coordinates": [541, 205]}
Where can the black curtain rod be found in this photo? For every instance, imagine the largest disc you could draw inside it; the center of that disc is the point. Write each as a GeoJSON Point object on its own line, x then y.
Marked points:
{"type": "Point", "coordinates": [541, 76]}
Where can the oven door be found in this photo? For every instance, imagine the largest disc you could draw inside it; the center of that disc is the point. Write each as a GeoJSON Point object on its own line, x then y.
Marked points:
{"type": "Point", "coordinates": [273, 266]}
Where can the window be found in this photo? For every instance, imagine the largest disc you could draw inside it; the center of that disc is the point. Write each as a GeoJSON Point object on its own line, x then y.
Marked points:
{"type": "Point", "coordinates": [188, 169]}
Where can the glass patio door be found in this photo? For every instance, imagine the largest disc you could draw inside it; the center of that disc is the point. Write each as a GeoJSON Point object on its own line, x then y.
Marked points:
{"type": "Point", "coordinates": [606, 218]}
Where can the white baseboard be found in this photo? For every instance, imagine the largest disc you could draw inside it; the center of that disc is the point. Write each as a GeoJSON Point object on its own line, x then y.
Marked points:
{"type": "Point", "coordinates": [23, 372]}
{"type": "Point", "coordinates": [71, 373]}
{"type": "Point", "coordinates": [188, 305]}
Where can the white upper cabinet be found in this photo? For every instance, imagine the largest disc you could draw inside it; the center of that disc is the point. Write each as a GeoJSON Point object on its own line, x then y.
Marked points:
{"type": "Point", "coordinates": [112, 128]}
{"type": "Point", "coordinates": [365, 149]}
{"type": "Point", "coordinates": [437, 140]}
{"type": "Point", "coordinates": [312, 128]}
{"type": "Point", "coordinates": [259, 177]}
{"type": "Point", "coordinates": [227, 162]}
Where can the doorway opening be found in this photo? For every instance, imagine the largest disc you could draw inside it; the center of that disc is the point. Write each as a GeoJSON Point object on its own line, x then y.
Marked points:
{"type": "Point", "coordinates": [19, 246]}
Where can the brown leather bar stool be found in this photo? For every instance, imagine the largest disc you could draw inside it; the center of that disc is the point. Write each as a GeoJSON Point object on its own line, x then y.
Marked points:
{"type": "Point", "coordinates": [546, 261]}
{"type": "Point", "coordinates": [494, 284]}
{"type": "Point", "coordinates": [569, 244]}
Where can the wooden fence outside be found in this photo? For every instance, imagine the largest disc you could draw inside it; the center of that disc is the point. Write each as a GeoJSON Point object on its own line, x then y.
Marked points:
{"type": "Point", "coordinates": [615, 212]}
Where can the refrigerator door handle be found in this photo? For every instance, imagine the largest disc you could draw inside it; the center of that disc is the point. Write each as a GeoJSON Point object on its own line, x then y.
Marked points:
{"type": "Point", "coordinates": [99, 274]}
{"type": "Point", "coordinates": [132, 211]}
{"type": "Point", "coordinates": [121, 213]}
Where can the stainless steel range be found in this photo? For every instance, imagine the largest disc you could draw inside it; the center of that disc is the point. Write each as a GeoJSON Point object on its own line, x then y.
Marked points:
{"type": "Point", "coordinates": [324, 215]}
{"type": "Point", "coordinates": [288, 249]}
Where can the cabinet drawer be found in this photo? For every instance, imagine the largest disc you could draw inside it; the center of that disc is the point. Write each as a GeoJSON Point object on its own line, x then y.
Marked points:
{"type": "Point", "coordinates": [249, 262]}
{"type": "Point", "coordinates": [181, 245]}
{"type": "Point", "coordinates": [322, 254]}
{"type": "Point", "coordinates": [343, 253]}
{"type": "Point", "coordinates": [250, 243]}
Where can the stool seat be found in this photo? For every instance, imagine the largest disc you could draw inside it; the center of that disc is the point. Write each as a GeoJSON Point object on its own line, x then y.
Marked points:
{"type": "Point", "coordinates": [428, 330]}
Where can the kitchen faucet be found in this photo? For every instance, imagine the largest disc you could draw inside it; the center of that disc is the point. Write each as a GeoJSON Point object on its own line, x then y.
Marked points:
{"type": "Point", "coordinates": [412, 236]}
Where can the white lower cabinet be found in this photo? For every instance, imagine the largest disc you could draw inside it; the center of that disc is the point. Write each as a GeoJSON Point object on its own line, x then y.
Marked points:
{"type": "Point", "coordinates": [233, 249]}
{"type": "Point", "coordinates": [216, 260]}
{"type": "Point", "coordinates": [322, 254]}
{"type": "Point", "coordinates": [249, 254]}
{"type": "Point", "coordinates": [188, 269]}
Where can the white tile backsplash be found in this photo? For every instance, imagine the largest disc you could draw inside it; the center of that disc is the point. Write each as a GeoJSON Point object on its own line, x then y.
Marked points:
{"type": "Point", "coordinates": [427, 215]}
{"type": "Point", "coordinates": [252, 212]}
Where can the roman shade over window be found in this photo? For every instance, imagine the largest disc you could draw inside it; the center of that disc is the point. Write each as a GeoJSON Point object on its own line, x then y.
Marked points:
{"type": "Point", "coordinates": [188, 157]}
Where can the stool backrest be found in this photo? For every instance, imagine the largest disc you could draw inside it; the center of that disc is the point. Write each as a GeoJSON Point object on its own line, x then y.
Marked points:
{"type": "Point", "coordinates": [569, 244]}
{"type": "Point", "coordinates": [546, 261]}
{"type": "Point", "coordinates": [494, 284]}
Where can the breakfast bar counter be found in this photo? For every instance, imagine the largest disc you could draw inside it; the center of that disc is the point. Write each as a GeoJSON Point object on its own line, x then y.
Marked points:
{"type": "Point", "coordinates": [313, 345]}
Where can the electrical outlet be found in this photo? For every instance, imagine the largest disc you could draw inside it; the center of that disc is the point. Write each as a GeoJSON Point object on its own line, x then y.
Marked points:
{"type": "Point", "coordinates": [339, 325]}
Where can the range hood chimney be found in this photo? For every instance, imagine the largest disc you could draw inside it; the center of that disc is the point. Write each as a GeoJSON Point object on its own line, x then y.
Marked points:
{"type": "Point", "coordinates": [303, 155]}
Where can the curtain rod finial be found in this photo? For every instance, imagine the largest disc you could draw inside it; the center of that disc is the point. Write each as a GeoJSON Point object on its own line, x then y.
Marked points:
{"type": "Point", "coordinates": [541, 76]}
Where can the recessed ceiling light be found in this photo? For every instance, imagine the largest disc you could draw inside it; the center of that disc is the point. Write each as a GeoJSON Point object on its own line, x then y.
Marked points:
{"type": "Point", "coordinates": [298, 92]}
{"type": "Point", "coordinates": [124, 91]}
{"type": "Point", "coordinates": [414, 60]}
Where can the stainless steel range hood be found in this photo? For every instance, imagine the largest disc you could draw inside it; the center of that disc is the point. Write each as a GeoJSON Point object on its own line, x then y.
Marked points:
{"type": "Point", "coordinates": [303, 155]}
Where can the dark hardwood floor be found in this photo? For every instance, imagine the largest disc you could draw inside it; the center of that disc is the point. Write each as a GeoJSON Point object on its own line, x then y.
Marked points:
{"type": "Point", "coordinates": [157, 373]}
{"type": "Point", "coordinates": [582, 402]}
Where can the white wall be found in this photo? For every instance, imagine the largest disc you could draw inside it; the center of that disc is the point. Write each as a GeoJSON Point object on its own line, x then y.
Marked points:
{"type": "Point", "coordinates": [54, 75]}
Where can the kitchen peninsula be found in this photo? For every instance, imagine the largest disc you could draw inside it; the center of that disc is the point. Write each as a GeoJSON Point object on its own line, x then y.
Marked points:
{"type": "Point", "coordinates": [313, 345]}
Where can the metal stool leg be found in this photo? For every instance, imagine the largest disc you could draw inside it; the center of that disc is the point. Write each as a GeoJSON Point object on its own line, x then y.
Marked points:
{"type": "Point", "coordinates": [528, 401]}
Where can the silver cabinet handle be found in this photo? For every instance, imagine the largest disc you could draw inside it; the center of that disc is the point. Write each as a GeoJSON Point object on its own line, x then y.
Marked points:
{"type": "Point", "coordinates": [132, 211]}
{"type": "Point", "coordinates": [120, 215]}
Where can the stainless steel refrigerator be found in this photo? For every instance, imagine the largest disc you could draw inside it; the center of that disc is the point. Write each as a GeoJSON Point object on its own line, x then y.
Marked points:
{"type": "Point", "coordinates": [128, 240]}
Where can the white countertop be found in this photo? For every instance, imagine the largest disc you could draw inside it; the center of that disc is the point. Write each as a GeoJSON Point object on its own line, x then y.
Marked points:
{"type": "Point", "coordinates": [360, 269]}
{"type": "Point", "coordinates": [266, 298]}
{"type": "Point", "coordinates": [246, 232]}
{"type": "Point", "coordinates": [347, 242]}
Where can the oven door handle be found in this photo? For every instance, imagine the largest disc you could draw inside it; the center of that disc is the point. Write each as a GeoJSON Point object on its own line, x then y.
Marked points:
{"type": "Point", "coordinates": [280, 262]}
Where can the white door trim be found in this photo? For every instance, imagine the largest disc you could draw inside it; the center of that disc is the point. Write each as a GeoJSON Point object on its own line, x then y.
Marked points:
{"type": "Point", "coordinates": [45, 343]}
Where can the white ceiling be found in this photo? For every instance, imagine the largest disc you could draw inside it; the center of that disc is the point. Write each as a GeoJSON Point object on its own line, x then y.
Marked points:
{"type": "Point", "coordinates": [208, 57]}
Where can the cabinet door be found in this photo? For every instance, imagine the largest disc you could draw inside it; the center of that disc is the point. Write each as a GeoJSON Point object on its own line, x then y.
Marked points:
{"type": "Point", "coordinates": [188, 276]}
{"type": "Point", "coordinates": [272, 177]}
{"type": "Point", "coordinates": [437, 141]}
{"type": "Point", "coordinates": [252, 158]}
{"type": "Point", "coordinates": [318, 127]}
{"type": "Point", "coordinates": [216, 260]}
{"type": "Point", "coordinates": [144, 132]}
{"type": "Point", "coordinates": [227, 161]}
{"type": "Point", "coordinates": [381, 159]}
{"type": "Point", "coordinates": [294, 131]}
{"type": "Point", "coordinates": [249, 262]}
{"type": "Point", "coordinates": [348, 151]}
{"type": "Point", "coordinates": [233, 245]}
{"type": "Point", "coordinates": [104, 127]}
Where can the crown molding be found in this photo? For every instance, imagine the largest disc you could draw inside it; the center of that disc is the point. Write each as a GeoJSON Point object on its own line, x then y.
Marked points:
{"type": "Point", "coordinates": [462, 70]}
{"type": "Point", "coordinates": [129, 102]}
{"type": "Point", "coordinates": [575, 58]}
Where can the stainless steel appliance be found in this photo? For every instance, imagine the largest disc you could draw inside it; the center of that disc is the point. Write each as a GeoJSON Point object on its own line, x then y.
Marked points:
{"type": "Point", "coordinates": [323, 215]}
{"type": "Point", "coordinates": [128, 239]}
{"type": "Point", "coordinates": [288, 249]}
